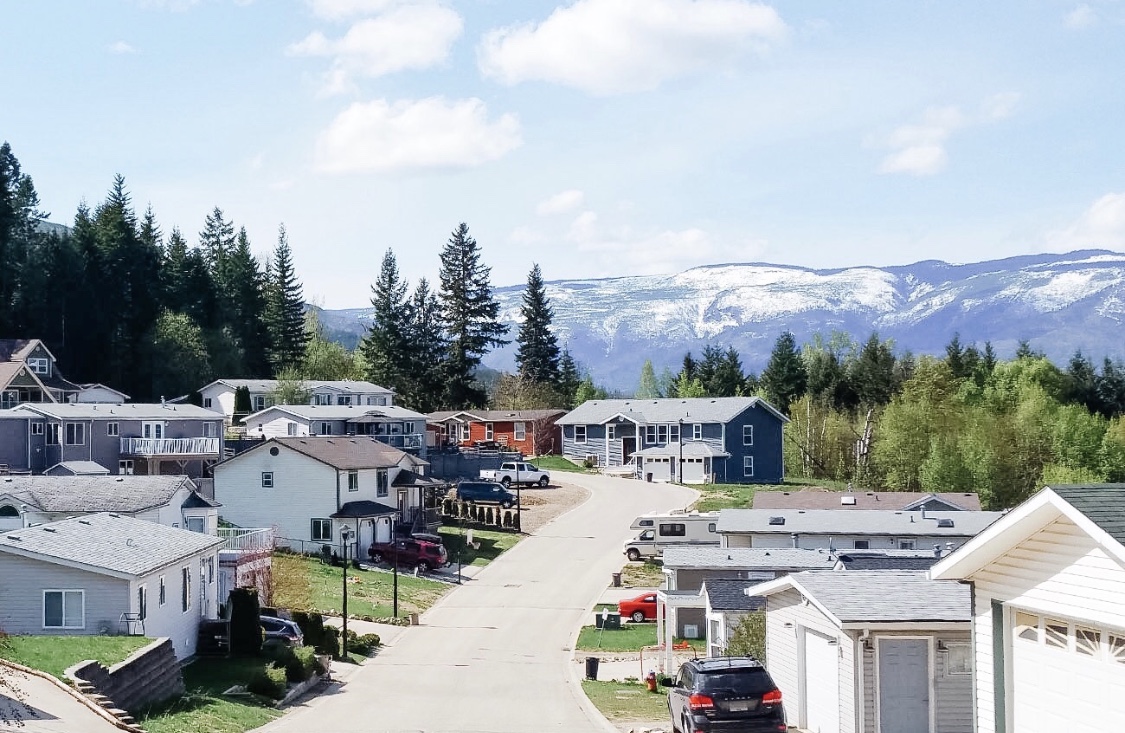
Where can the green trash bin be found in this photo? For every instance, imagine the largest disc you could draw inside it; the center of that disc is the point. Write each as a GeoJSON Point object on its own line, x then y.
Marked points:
{"type": "Point", "coordinates": [613, 621]}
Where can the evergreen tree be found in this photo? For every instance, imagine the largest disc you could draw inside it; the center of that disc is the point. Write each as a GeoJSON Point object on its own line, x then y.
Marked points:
{"type": "Point", "coordinates": [284, 310]}
{"type": "Point", "coordinates": [872, 373]}
{"type": "Point", "coordinates": [568, 379]}
{"type": "Point", "coordinates": [587, 391]}
{"type": "Point", "coordinates": [426, 355]}
{"type": "Point", "coordinates": [784, 378]}
{"type": "Point", "coordinates": [218, 243]}
{"type": "Point", "coordinates": [471, 317]}
{"type": "Point", "coordinates": [538, 354]}
{"type": "Point", "coordinates": [955, 358]}
{"type": "Point", "coordinates": [385, 348]}
{"type": "Point", "coordinates": [247, 307]}
{"type": "Point", "coordinates": [648, 388]}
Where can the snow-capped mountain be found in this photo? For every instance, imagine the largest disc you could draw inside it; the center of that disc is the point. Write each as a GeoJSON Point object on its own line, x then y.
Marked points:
{"type": "Point", "coordinates": [1059, 302]}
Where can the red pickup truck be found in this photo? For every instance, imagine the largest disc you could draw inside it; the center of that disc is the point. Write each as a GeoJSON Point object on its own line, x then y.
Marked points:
{"type": "Point", "coordinates": [415, 553]}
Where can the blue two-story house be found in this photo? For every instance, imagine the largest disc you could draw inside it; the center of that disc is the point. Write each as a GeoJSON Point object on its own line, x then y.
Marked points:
{"type": "Point", "coordinates": [691, 440]}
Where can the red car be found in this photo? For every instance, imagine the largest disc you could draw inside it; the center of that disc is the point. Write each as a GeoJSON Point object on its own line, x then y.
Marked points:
{"type": "Point", "coordinates": [641, 608]}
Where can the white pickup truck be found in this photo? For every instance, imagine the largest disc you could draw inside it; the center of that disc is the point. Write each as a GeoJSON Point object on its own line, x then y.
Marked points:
{"type": "Point", "coordinates": [517, 472]}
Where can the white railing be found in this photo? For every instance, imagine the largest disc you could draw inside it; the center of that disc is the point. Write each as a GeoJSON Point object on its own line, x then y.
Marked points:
{"type": "Point", "coordinates": [169, 446]}
{"type": "Point", "coordinates": [246, 539]}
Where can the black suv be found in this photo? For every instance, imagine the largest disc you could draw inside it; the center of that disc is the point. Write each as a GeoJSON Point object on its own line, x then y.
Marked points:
{"type": "Point", "coordinates": [733, 694]}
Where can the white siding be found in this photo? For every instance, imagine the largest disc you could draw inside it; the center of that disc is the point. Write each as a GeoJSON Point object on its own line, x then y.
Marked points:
{"type": "Point", "coordinates": [170, 619]}
{"type": "Point", "coordinates": [838, 541]}
{"type": "Point", "coordinates": [953, 711]}
{"type": "Point", "coordinates": [222, 399]}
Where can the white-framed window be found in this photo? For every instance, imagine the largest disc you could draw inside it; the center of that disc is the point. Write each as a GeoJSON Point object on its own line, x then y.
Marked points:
{"type": "Point", "coordinates": [259, 402]}
{"type": "Point", "coordinates": [697, 431]}
{"type": "Point", "coordinates": [674, 433]}
{"type": "Point", "coordinates": [326, 428]}
{"type": "Point", "coordinates": [53, 431]}
{"type": "Point", "coordinates": [861, 545]}
{"type": "Point", "coordinates": [36, 428]}
{"type": "Point", "coordinates": [579, 433]}
{"type": "Point", "coordinates": [196, 524]}
{"type": "Point", "coordinates": [463, 432]}
{"type": "Point", "coordinates": [519, 430]}
{"type": "Point", "coordinates": [207, 402]}
{"type": "Point", "coordinates": [185, 588]}
{"type": "Point", "coordinates": [210, 430]}
{"type": "Point", "coordinates": [291, 429]}
{"type": "Point", "coordinates": [142, 601]}
{"type": "Point", "coordinates": [661, 433]}
{"type": "Point", "coordinates": [488, 432]}
{"type": "Point", "coordinates": [381, 401]}
{"type": "Point", "coordinates": [344, 399]}
{"type": "Point", "coordinates": [382, 483]}
{"type": "Point", "coordinates": [321, 530]}
{"type": "Point", "coordinates": [748, 465]}
{"type": "Point", "coordinates": [748, 435]}
{"type": "Point", "coordinates": [112, 429]}
{"type": "Point", "coordinates": [650, 434]}
{"type": "Point", "coordinates": [322, 399]}
{"type": "Point", "coordinates": [76, 433]}
{"type": "Point", "coordinates": [125, 467]}
{"type": "Point", "coordinates": [958, 658]}
{"type": "Point", "coordinates": [163, 592]}
{"type": "Point", "coordinates": [611, 432]}
{"type": "Point", "coordinates": [906, 544]}
{"type": "Point", "coordinates": [408, 428]}
{"type": "Point", "coordinates": [39, 365]}
{"type": "Point", "coordinates": [353, 480]}
{"type": "Point", "coordinates": [267, 479]}
{"type": "Point", "coordinates": [64, 609]}
{"type": "Point", "coordinates": [152, 429]}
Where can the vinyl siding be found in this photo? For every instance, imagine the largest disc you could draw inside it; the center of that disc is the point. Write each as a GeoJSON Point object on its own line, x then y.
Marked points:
{"type": "Point", "coordinates": [21, 604]}
{"type": "Point", "coordinates": [170, 619]}
{"type": "Point", "coordinates": [693, 579]}
{"type": "Point", "coordinates": [837, 541]}
{"type": "Point", "coordinates": [953, 704]}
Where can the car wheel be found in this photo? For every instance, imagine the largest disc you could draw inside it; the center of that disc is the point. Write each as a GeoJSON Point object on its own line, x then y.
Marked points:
{"type": "Point", "coordinates": [633, 554]}
{"type": "Point", "coordinates": [377, 557]}
{"type": "Point", "coordinates": [544, 481]}
{"type": "Point", "coordinates": [638, 616]}
{"type": "Point", "coordinates": [423, 568]}
{"type": "Point", "coordinates": [507, 481]}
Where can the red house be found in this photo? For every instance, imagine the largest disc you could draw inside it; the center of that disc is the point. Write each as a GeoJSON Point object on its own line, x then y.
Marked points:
{"type": "Point", "coordinates": [531, 432]}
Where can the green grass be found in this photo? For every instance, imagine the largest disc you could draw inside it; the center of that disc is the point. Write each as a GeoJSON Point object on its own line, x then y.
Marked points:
{"type": "Point", "coordinates": [645, 574]}
{"type": "Point", "coordinates": [558, 463]}
{"type": "Point", "coordinates": [629, 638]}
{"type": "Point", "coordinates": [306, 583]}
{"type": "Point", "coordinates": [53, 654]}
{"type": "Point", "coordinates": [491, 544]}
{"type": "Point", "coordinates": [203, 709]}
{"type": "Point", "coordinates": [741, 496]}
{"type": "Point", "coordinates": [627, 700]}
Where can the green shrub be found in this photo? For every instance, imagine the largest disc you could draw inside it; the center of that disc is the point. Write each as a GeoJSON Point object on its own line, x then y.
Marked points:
{"type": "Point", "coordinates": [312, 626]}
{"type": "Point", "coordinates": [363, 644]}
{"type": "Point", "coordinates": [277, 652]}
{"type": "Point", "coordinates": [329, 642]}
{"type": "Point", "coordinates": [245, 629]}
{"type": "Point", "coordinates": [268, 682]}
{"type": "Point", "coordinates": [301, 664]}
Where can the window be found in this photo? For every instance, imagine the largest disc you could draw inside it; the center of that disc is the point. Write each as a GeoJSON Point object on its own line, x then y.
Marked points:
{"type": "Point", "coordinates": [1055, 633]}
{"type": "Point", "coordinates": [697, 431]}
{"type": "Point", "coordinates": [267, 479]}
{"type": "Point", "coordinates": [958, 659]}
{"type": "Point", "coordinates": [906, 544]}
{"type": "Point", "coordinates": [579, 433]}
{"type": "Point", "coordinates": [661, 433]}
{"type": "Point", "coordinates": [611, 432]}
{"type": "Point", "coordinates": [152, 430]}
{"type": "Point", "coordinates": [196, 524]}
{"type": "Point", "coordinates": [463, 431]}
{"type": "Point", "coordinates": [381, 401]}
{"type": "Point", "coordinates": [207, 402]}
{"type": "Point", "coordinates": [64, 609]}
{"type": "Point", "coordinates": [326, 428]}
{"type": "Point", "coordinates": [321, 530]}
{"type": "Point", "coordinates": [748, 435]}
{"type": "Point", "coordinates": [408, 428]}
{"type": "Point", "coordinates": [125, 467]}
{"type": "Point", "coordinates": [112, 429]}
{"type": "Point", "coordinates": [210, 430]}
{"type": "Point", "coordinates": [344, 399]}
{"type": "Point", "coordinates": [163, 594]}
{"type": "Point", "coordinates": [861, 545]}
{"type": "Point", "coordinates": [75, 433]}
{"type": "Point", "coordinates": [36, 428]}
{"type": "Point", "coordinates": [488, 434]}
{"type": "Point", "coordinates": [1116, 648]}
{"type": "Point", "coordinates": [1027, 626]}
{"type": "Point", "coordinates": [519, 430]}
{"type": "Point", "coordinates": [748, 465]}
{"type": "Point", "coordinates": [259, 402]}
{"type": "Point", "coordinates": [675, 529]}
{"type": "Point", "coordinates": [650, 434]}
{"type": "Point", "coordinates": [53, 433]}
{"type": "Point", "coordinates": [290, 428]}
{"type": "Point", "coordinates": [142, 602]}
{"type": "Point", "coordinates": [1087, 641]}
{"type": "Point", "coordinates": [674, 433]}
{"type": "Point", "coordinates": [39, 365]}
{"type": "Point", "coordinates": [210, 570]}
{"type": "Point", "coordinates": [353, 480]}
{"type": "Point", "coordinates": [185, 595]}
{"type": "Point", "coordinates": [381, 483]}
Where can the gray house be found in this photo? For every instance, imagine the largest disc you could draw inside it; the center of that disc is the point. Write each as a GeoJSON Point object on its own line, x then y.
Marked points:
{"type": "Point", "coordinates": [108, 574]}
{"type": "Point", "coordinates": [858, 500]}
{"type": "Point", "coordinates": [396, 426]}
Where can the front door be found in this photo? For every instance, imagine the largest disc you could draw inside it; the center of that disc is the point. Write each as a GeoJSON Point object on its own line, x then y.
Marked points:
{"type": "Point", "coordinates": [628, 448]}
{"type": "Point", "coordinates": [904, 685]}
{"type": "Point", "coordinates": [152, 430]}
{"type": "Point", "coordinates": [403, 515]}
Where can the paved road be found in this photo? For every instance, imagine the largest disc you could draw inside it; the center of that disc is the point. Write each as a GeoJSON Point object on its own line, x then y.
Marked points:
{"type": "Point", "coordinates": [31, 704]}
{"type": "Point", "coordinates": [495, 655]}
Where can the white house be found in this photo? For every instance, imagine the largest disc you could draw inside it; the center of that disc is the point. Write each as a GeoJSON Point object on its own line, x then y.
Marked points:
{"type": "Point", "coordinates": [219, 395]}
{"type": "Point", "coordinates": [870, 651]}
{"type": "Point", "coordinates": [1048, 584]}
{"type": "Point", "coordinates": [107, 574]}
{"type": "Point", "coordinates": [396, 426]}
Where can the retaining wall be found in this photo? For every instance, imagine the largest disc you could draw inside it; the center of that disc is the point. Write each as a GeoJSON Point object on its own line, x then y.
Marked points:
{"type": "Point", "coordinates": [147, 676]}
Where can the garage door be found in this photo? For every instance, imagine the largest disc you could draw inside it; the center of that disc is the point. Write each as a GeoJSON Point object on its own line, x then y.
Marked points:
{"type": "Point", "coordinates": [822, 685]}
{"type": "Point", "coordinates": [1066, 675]}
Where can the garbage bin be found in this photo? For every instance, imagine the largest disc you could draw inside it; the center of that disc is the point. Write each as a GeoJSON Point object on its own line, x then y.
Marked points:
{"type": "Point", "coordinates": [613, 621]}
{"type": "Point", "coordinates": [599, 620]}
{"type": "Point", "coordinates": [591, 668]}
{"type": "Point", "coordinates": [617, 580]}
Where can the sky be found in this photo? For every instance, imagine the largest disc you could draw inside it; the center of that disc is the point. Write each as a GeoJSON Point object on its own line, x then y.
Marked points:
{"type": "Point", "coordinates": [597, 138]}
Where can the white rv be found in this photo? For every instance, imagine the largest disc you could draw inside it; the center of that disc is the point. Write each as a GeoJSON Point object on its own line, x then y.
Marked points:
{"type": "Point", "coordinates": [659, 531]}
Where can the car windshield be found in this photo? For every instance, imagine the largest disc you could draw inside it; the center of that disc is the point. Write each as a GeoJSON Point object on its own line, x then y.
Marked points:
{"type": "Point", "coordinates": [737, 682]}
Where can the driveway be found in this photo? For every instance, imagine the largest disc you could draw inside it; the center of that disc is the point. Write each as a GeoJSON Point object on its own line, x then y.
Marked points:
{"type": "Point", "coordinates": [495, 654]}
{"type": "Point", "coordinates": [32, 704]}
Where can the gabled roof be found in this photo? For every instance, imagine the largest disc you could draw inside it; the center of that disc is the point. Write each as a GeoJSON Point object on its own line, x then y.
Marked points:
{"type": "Point", "coordinates": [80, 468]}
{"type": "Point", "coordinates": [861, 597]}
{"type": "Point", "coordinates": [363, 508]}
{"type": "Point", "coordinates": [853, 500]}
{"type": "Point", "coordinates": [860, 522]}
{"type": "Point", "coordinates": [196, 500]}
{"type": "Point", "coordinates": [9, 370]}
{"type": "Point", "coordinates": [1096, 509]}
{"type": "Point", "coordinates": [349, 413]}
{"type": "Point", "coordinates": [126, 494]}
{"type": "Point", "coordinates": [270, 385]}
{"type": "Point", "coordinates": [885, 559]}
{"type": "Point", "coordinates": [20, 349]}
{"type": "Point", "coordinates": [725, 594]}
{"type": "Point", "coordinates": [668, 410]}
{"type": "Point", "coordinates": [99, 385]}
{"type": "Point", "coordinates": [746, 558]}
{"type": "Point", "coordinates": [108, 544]}
{"type": "Point", "coordinates": [410, 478]}
{"type": "Point", "coordinates": [339, 452]}
{"type": "Point", "coordinates": [126, 411]}
{"type": "Point", "coordinates": [493, 415]}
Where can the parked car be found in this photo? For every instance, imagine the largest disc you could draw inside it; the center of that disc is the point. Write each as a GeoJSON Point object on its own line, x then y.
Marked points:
{"type": "Point", "coordinates": [641, 608]}
{"type": "Point", "coordinates": [486, 492]}
{"type": "Point", "coordinates": [415, 553]}
{"type": "Point", "coordinates": [724, 693]}
{"type": "Point", "coordinates": [282, 630]}
{"type": "Point", "coordinates": [517, 472]}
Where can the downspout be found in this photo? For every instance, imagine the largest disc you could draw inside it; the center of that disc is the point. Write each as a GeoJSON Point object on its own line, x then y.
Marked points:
{"type": "Point", "coordinates": [337, 490]}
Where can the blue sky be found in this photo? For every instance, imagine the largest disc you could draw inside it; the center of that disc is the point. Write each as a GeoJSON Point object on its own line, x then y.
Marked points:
{"type": "Point", "coordinates": [598, 138]}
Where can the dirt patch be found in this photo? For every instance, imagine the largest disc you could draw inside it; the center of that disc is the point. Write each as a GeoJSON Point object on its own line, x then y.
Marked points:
{"type": "Point", "coordinates": [541, 505]}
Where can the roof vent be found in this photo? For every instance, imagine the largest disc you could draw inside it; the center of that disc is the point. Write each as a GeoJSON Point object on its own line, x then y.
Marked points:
{"type": "Point", "coordinates": [120, 479]}
{"type": "Point", "coordinates": [49, 529]}
{"type": "Point", "coordinates": [948, 523]}
{"type": "Point", "coordinates": [83, 521]}
{"type": "Point", "coordinates": [847, 501]}
{"type": "Point", "coordinates": [17, 538]}
{"type": "Point", "coordinates": [777, 521]}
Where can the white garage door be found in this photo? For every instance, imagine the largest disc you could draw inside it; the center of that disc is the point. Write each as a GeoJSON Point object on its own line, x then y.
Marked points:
{"type": "Point", "coordinates": [822, 684]}
{"type": "Point", "coordinates": [1066, 676]}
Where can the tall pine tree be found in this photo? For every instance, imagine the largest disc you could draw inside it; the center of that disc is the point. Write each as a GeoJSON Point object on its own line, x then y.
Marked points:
{"type": "Point", "coordinates": [784, 378]}
{"type": "Point", "coordinates": [285, 309]}
{"type": "Point", "coordinates": [385, 347]}
{"type": "Point", "coordinates": [424, 390]}
{"type": "Point", "coordinates": [538, 354]}
{"type": "Point", "coordinates": [569, 379]}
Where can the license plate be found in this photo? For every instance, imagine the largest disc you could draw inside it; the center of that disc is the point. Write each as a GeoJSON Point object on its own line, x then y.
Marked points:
{"type": "Point", "coordinates": [738, 707]}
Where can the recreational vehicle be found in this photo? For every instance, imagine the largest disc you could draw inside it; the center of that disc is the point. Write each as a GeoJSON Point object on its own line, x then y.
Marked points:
{"type": "Point", "coordinates": [659, 531]}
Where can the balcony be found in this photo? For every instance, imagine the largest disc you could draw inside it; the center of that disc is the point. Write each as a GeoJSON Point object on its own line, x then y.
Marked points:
{"type": "Point", "coordinates": [241, 539]}
{"type": "Point", "coordinates": [170, 447]}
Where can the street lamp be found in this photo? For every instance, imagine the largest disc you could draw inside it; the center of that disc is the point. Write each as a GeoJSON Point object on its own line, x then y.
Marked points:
{"type": "Point", "coordinates": [680, 468]}
{"type": "Point", "coordinates": [394, 564]}
{"type": "Point", "coordinates": [345, 536]}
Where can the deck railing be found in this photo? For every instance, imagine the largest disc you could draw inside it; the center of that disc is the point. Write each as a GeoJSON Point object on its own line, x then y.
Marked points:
{"type": "Point", "coordinates": [169, 446]}
{"type": "Point", "coordinates": [246, 539]}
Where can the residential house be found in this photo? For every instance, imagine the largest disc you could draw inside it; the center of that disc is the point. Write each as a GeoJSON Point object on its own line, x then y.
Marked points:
{"type": "Point", "coordinates": [693, 440]}
{"type": "Point", "coordinates": [726, 603]}
{"type": "Point", "coordinates": [853, 500]}
{"type": "Point", "coordinates": [862, 529]}
{"type": "Point", "coordinates": [1048, 589]}
{"type": "Point", "coordinates": [108, 574]}
{"type": "Point", "coordinates": [29, 372]}
{"type": "Point", "coordinates": [172, 501]}
{"type": "Point", "coordinates": [219, 395]}
{"type": "Point", "coordinates": [130, 438]}
{"type": "Point", "coordinates": [309, 488]}
{"type": "Point", "coordinates": [870, 651]}
{"type": "Point", "coordinates": [396, 426]}
{"type": "Point", "coordinates": [531, 432]}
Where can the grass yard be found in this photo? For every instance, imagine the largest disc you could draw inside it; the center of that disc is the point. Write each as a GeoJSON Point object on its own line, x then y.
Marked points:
{"type": "Point", "coordinates": [629, 638]}
{"type": "Point", "coordinates": [306, 583]}
{"type": "Point", "coordinates": [645, 574]}
{"type": "Point", "coordinates": [491, 544]}
{"type": "Point", "coordinates": [53, 654]}
{"type": "Point", "coordinates": [558, 463]}
{"type": "Point", "coordinates": [621, 701]}
{"type": "Point", "coordinates": [740, 496]}
{"type": "Point", "coordinates": [203, 709]}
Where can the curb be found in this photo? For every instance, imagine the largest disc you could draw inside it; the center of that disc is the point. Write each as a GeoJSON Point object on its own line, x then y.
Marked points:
{"type": "Point", "coordinates": [101, 712]}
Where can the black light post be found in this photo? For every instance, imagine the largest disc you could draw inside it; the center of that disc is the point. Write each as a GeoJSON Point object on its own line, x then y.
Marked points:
{"type": "Point", "coordinates": [394, 563]}
{"type": "Point", "coordinates": [346, 536]}
{"type": "Point", "coordinates": [680, 468]}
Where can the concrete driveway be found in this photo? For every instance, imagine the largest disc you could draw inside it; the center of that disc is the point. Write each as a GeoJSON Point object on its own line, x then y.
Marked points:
{"type": "Point", "coordinates": [495, 654]}
{"type": "Point", "coordinates": [33, 704]}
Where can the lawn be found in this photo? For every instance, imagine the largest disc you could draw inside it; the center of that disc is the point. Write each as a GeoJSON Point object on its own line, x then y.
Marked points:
{"type": "Point", "coordinates": [740, 496]}
{"type": "Point", "coordinates": [53, 654]}
{"type": "Point", "coordinates": [629, 638]}
{"type": "Point", "coordinates": [620, 701]}
{"type": "Point", "coordinates": [558, 463]}
{"type": "Point", "coordinates": [203, 709]}
{"type": "Point", "coordinates": [491, 544]}
{"type": "Point", "coordinates": [645, 574]}
{"type": "Point", "coordinates": [307, 583]}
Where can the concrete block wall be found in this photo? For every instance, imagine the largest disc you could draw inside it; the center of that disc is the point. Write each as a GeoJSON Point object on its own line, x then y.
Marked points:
{"type": "Point", "coordinates": [147, 676]}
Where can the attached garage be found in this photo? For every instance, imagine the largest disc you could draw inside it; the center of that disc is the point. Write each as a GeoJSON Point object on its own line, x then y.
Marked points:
{"type": "Point", "coordinates": [821, 713]}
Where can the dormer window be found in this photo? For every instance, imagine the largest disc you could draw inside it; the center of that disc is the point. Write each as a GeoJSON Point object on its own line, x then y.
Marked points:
{"type": "Point", "coordinates": [39, 365]}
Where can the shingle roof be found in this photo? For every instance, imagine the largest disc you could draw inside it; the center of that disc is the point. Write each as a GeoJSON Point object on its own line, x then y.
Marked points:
{"type": "Point", "coordinates": [725, 594]}
{"type": "Point", "coordinates": [410, 478]}
{"type": "Point", "coordinates": [108, 542]}
{"type": "Point", "coordinates": [341, 412]}
{"type": "Point", "coordinates": [128, 494]}
{"type": "Point", "coordinates": [860, 522]}
{"type": "Point", "coordinates": [362, 508]}
{"type": "Point", "coordinates": [692, 449]}
{"type": "Point", "coordinates": [747, 558]}
{"type": "Point", "coordinates": [344, 453]}
{"type": "Point", "coordinates": [690, 410]}
{"type": "Point", "coordinates": [812, 499]}
{"type": "Point", "coordinates": [886, 559]}
{"type": "Point", "coordinates": [126, 411]}
{"type": "Point", "coordinates": [269, 385]}
{"type": "Point", "coordinates": [495, 415]}
{"type": "Point", "coordinates": [887, 596]}
{"type": "Point", "coordinates": [1103, 504]}
{"type": "Point", "coordinates": [82, 468]}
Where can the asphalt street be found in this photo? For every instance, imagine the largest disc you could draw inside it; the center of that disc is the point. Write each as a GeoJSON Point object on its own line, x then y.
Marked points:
{"type": "Point", "coordinates": [494, 655]}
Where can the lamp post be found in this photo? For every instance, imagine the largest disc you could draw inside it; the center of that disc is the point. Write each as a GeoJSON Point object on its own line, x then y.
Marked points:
{"type": "Point", "coordinates": [346, 536]}
{"type": "Point", "coordinates": [394, 564]}
{"type": "Point", "coordinates": [519, 524]}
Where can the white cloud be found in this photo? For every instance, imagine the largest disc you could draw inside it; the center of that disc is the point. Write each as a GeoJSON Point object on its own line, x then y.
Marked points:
{"type": "Point", "coordinates": [340, 9]}
{"type": "Point", "coordinates": [561, 203]}
{"type": "Point", "coordinates": [1081, 17]}
{"type": "Point", "coordinates": [120, 47]}
{"type": "Point", "coordinates": [1101, 225]}
{"type": "Point", "coordinates": [1000, 106]}
{"type": "Point", "coordinates": [408, 37]}
{"type": "Point", "coordinates": [613, 46]}
{"type": "Point", "coordinates": [412, 134]}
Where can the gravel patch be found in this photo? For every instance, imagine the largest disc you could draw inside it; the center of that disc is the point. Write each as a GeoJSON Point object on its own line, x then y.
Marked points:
{"type": "Point", "coordinates": [541, 505]}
